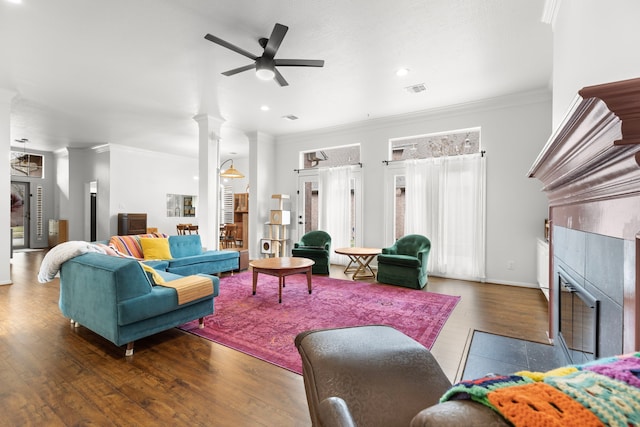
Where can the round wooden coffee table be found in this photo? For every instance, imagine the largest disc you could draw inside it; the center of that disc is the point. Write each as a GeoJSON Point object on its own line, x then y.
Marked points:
{"type": "Point", "coordinates": [281, 267]}
{"type": "Point", "coordinates": [359, 259]}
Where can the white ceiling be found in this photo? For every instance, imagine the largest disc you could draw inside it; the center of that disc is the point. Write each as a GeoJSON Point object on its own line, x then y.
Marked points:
{"type": "Point", "coordinates": [135, 72]}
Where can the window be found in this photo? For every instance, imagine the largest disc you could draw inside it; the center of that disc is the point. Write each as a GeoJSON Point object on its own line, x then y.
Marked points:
{"type": "Point", "coordinates": [181, 205]}
{"type": "Point", "coordinates": [331, 157]}
{"type": "Point", "coordinates": [26, 164]}
{"type": "Point", "coordinates": [454, 143]}
{"type": "Point", "coordinates": [330, 196]}
{"type": "Point", "coordinates": [436, 187]}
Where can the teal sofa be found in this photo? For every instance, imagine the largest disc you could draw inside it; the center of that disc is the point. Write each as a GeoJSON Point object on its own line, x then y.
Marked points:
{"type": "Point", "coordinates": [315, 245]}
{"type": "Point", "coordinates": [187, 255]}
{"type": "Point", "coordinates": [115, 298]}
{"type": "Point", "coordinates": [405, 263]}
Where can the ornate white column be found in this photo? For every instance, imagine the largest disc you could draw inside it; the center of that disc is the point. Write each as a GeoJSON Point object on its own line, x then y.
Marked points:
{"type": "Point", "coordinates": [209, 179]}
{"type": "Point", "coordinates": [5, 187]}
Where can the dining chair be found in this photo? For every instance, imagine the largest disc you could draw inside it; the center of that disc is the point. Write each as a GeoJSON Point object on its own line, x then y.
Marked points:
{"type": "Point", "coordinates": [229, 236]}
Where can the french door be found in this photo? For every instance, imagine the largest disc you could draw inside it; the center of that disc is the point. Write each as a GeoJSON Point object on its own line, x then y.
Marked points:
{"type": "Point", "coordinates": [309, 214]}
{"type": "Point", "coordinates": [20, 214]}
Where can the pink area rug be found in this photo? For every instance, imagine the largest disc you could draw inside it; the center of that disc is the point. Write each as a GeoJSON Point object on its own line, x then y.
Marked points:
{"type": "Point", "coordinates": [257, 325]}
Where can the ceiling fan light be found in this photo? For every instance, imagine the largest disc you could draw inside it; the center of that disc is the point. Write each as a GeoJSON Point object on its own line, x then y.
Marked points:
{"type": "Point", "coordinates": [265, 74]}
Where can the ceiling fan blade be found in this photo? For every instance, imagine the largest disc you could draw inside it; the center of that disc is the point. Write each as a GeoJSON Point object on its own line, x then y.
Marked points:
{"type": "Point", "coordinates": [299, 63]}
{"type": "Point", "coordinates": [275, 40]}
{"type": "Point", "coordinates": [230, 46]}
{"type": "Point", "coordinates": [239, 70]}
{"type": "Point", "coordinates": [281, 81]}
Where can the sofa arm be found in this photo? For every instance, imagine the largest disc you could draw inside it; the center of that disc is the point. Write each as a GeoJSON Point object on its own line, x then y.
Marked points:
{"type": "Point", "coordinates": [458, 413]}
{"type": "Point", "coordinates": [334, 412]}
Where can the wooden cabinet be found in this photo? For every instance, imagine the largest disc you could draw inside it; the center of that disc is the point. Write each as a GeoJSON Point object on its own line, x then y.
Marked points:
{"type": "Point", "coordinates": [241, 218]}
{"type": "Point", "coordinates": [58, 231]}
{"type": "Point", "coordinates": [188, 209]}
{"type": "Point", "coordinates": [132, 223]}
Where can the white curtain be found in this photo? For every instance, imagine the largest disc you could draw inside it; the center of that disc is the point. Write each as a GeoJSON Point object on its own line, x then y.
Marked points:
{"type": "Point", "coordinates": [334, 208]}
{"type": "Point", "coordinates": [445, 201]}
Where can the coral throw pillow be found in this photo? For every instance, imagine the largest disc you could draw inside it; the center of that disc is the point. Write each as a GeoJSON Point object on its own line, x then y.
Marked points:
{"type": "Point", "coordinates": [155, 248]}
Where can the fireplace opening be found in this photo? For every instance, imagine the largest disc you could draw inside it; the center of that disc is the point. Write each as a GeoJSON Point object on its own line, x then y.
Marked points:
{"type": "Point", "coordinates": [578, 320]}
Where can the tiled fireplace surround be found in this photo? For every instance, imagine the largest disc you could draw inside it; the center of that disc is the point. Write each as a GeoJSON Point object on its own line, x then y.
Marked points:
{"type": "Point", "coordinates": [590, 172]}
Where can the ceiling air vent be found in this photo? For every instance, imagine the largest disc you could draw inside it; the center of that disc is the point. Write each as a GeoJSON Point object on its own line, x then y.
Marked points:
{"type": "Point", "coordinates": [416, 88]}
{"type": "Point", "coordinates": [290, 117]}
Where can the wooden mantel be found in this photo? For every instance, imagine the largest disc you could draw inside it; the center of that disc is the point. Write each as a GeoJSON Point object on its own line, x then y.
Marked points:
{"type": "Point", "coordinates": [590, 170]}
{"type": "Point", "coordinates": [590, 165]}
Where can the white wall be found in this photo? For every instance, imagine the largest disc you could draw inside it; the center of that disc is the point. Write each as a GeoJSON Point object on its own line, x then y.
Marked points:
{"type": "Point", "coordinates": [140, 181]}
{"type": "Point", "coordinates": [264, 166]}
{"type": "Point", "coordinates": [514, 130]}
{"type": "Point", "coordinates": [5, 186]}
{"type": "Point", "coordinates": [594, 42]}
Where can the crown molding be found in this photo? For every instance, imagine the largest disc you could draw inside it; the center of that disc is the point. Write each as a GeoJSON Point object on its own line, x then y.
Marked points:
{"type": "Point", "coordinates": [595, 152]}
{"type": "Point", "coordinates": [487, 104]}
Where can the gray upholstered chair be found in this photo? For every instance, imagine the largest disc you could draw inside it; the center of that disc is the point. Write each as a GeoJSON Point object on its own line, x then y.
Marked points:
{"type": "Point", "coordinates": [405, 263]}
{"type": "Point", "coordinates": [376, 376]}
{"type": "Point", "coordinates": [315, 245]}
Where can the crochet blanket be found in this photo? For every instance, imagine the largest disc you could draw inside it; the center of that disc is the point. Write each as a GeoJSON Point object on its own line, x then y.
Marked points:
{"type": "Point", "coordinates": [605, 392]}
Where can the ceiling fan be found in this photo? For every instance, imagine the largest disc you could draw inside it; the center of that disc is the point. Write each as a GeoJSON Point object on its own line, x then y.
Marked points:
{"type": "Point", "coordinates": [265, 65]}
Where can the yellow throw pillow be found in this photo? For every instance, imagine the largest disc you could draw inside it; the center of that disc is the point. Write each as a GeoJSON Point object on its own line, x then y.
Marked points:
{"type": "Point", "coordinates": [157, 278]}
{"type": "Point", "coordinates": [155, 248]}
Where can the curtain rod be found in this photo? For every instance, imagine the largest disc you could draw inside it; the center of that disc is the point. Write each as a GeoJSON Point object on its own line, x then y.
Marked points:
{"type": "Point", "coordinates": [386, 162]}
{"type": "Point", "coordinates": [326, 167]}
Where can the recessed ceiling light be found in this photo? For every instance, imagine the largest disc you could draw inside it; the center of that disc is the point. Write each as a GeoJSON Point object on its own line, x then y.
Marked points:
{"type": "Point", "coordinates": [15, 1]}
{"type": "Point", "coordinates": [265, 108]}
{"type": "Point", "coordinates": [402, 72]}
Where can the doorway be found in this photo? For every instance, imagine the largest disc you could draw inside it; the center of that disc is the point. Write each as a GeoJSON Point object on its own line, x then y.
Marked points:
{"type": "Point", "coordinates": [20, 214]}
{"type": "Point", "coordinates": [307, 203]}
{"type": "Point", "coordinates": [309, 215]}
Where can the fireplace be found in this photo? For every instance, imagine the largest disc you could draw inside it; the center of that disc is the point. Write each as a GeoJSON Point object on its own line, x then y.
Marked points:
{"type": "Point", "coordinates": [591, 175]}
{"type": "Point", "coordinates": [577, 320]}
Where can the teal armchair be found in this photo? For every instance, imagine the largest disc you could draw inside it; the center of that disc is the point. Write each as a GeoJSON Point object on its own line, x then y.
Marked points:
{"type": "Point", "coordinates": [315, 245]}
{"type": "Point", "coordinates": [405, 263]}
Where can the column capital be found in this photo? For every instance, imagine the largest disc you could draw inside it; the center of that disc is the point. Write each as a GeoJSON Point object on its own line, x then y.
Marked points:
{"type": "Point", "coordinates": [208, 119]}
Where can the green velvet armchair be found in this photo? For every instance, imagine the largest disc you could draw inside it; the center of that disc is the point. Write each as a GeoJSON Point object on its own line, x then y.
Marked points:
{"type": "Point", "coordinates": [315, 245]}
{"type": "Point", "coordinates": [405, 263]}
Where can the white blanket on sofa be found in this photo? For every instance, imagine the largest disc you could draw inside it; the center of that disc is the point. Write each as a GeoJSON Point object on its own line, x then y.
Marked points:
{"type": "Point", "coordinates": [60, 253]}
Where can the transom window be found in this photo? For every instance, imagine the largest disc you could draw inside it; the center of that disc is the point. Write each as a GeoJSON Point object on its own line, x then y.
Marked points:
{"type": "Point", "coordinates": [331, 157]}
{"type": "Point", "coordinates": [27, 164]}
{"type": "Point", "coordinates": [453, 143]}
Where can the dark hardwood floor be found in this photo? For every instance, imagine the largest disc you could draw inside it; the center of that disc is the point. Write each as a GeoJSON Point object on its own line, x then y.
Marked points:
{"type": "Point", "coordinates": [56, 375]}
